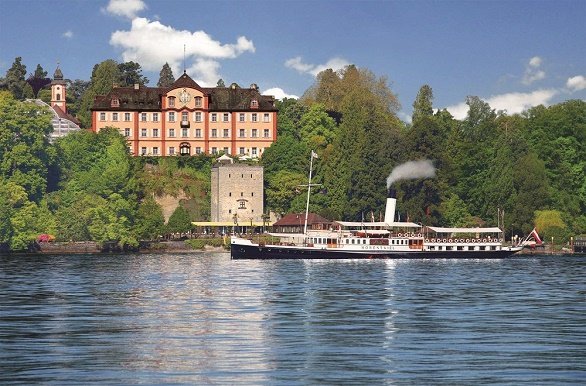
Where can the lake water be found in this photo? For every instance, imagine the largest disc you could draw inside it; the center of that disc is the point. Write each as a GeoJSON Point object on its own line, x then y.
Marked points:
{"type": "Point", "coordinates": [204, 319]}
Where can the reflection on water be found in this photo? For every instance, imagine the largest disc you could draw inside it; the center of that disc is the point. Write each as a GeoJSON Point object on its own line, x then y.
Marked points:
{"type": "Point", "coordinates": [203, 319]}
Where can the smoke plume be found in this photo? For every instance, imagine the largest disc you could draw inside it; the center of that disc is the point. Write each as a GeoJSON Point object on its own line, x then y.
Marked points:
{"type": "Point", "coordinates": [411, 170]}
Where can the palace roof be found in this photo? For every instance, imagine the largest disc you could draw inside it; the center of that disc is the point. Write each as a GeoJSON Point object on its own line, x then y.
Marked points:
{"type": "Point", "coordinates": [143, 98]}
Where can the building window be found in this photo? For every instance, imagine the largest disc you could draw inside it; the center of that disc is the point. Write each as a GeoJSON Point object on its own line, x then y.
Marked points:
{"type": "Point", "coordinates": [143, 132]}
{"type": "Point", "coordinates": [266, 117]}
{"type": "Point", "coordinates": [241, 151]}
{"type": "Point", "coordinates": [115, 117]}
{"type": "Point", "coordinates": [198, 101]}
{"type": "Point", "coordinates": [184, 132]}
{"type": "Point", "coordinates": [226, 151]}
{"type": "Point", "coordinates": [185, 148]}
{"type": "Point", "coordinates": [226, 133]}
{"type": "Point", "coordinates": [254, 133]}
{"type": "Point", "coordinates": [267, 133]}
{"type": "Point", "coordinates": [143, 150]}
{"type": "Point", "coordinates": [171, 150]}
{"type": "Point", "coordinates": [242, 133]}
{"type": "Point", "coordinates": [171, 117]}
{"type": "Point", "coordinates": [242, 204]}
{"type": "Point", "coordinates": [184, 116]}
{"type": "Point", "coordinates": [155, 132]}
{"type": "Point", "coordinates": [155, 117]}
{"type": "Point", "coordinates": [102, 116]}
{"type": "Point", "coordinates": [198, 133]}
{"type": "Point", "coordinates": [241, 117]}
{"type": "Point", "coordinates": [155, 150]}
{"type": "Point", "coordinates": [254, 153]}
{"type": "Point", "coordinates": [171, 132]}
{"type": "Point", "coordinates": [198, 116]}
{"type": "Point", "coordinates": [214, 133]}
{"type": "Point", "coordinates": [143, 117]}
{"type": "Point", "coordinates": [214, 150]}
{"type": "Point", "coordinates": [171, 101]}
{"type": "Point", "coordinates": [127, 132]}
{"type": "Point", "coordinates": [198, 150]}
{"type": "Point", "coordinates": [214, 117]}
{"type": "Point", "coordinates": [225, 117]}
{"type": "Point", "coordinates": [254, 117]}
{"type": "Point", "coordinates": [127, 117]}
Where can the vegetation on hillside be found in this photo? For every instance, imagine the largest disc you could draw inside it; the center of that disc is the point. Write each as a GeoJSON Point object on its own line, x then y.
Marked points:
{"type": "Point", "coordinates": [87, 186]}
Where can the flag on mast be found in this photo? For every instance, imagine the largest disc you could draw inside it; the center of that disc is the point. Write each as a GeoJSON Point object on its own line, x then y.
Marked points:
{"type": "Point", "coordinates": [314, 154]}
{"type": "Point", "coordinates": [536, 236]}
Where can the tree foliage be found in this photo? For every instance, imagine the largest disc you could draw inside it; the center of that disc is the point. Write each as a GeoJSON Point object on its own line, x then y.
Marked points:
{"type": "Point", "coordinates": [166, 77]}
{"type": "Point", "coordinates": [15, 80]}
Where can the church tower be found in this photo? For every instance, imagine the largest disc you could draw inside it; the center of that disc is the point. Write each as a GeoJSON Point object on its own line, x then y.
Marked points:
{"type": "Point", "coordinates": [58, 90]}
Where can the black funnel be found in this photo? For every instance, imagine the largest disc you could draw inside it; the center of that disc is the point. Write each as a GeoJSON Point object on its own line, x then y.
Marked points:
{"type": "Point", "coordinates": [392, 193]}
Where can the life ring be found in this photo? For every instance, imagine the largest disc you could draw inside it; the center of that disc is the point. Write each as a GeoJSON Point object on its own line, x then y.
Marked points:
{"type": "Point", "coordinates": [427, 240]}
{"type": "Point", "coordinates": [467, 240]}
{"type": "Point", "coordinates": [450, 240]}
{"type": "Point", "coordinates": [399, 234]}
{"type": "Point", "coordinates": [419, 235]}
{"type": "Point", "coordinates": [412, 234]}
{"type": "Point", "coordinates": [501, 240]}
{"type": "Point", "coordinates": [433, 240]}
{"type": "Point", "coordinates": [444, 240]}
{"type": "Point", "coordinates": [484, 240]}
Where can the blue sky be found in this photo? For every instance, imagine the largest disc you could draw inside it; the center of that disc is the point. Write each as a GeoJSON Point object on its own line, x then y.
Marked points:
{"type": "Point", "coordinates": [512, 54]}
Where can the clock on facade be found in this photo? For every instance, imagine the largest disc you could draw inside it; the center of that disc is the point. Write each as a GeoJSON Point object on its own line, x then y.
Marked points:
{"type": "Point", "coordinates": [184, 96]}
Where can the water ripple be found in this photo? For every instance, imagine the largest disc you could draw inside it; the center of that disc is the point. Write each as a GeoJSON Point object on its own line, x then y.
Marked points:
{"type": "Point", "coordinates": [203, 319]}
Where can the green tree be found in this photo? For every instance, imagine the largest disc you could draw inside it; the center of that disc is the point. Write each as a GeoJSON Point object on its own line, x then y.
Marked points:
{"type": "Point", "coordinates": [166, 78]}
{"type": "Point", "coordinates": [25, 155]}
{"type": "Point", "coordinates": [283, 188]}
{"type": "Point", "coordinates": [316, 128]}
{"type": "Point", "coordinates": [75, 92]}
{"type": "Point", "coordinates": [179, 222]}
{"type": "Point", "coordinates": [131, 74]}
{"type": "Point", "coordinates": [149, 219]}
{"type": "Point", "coordinates": [104, 76]}
{"type": "Point", "coordinates": [549, 223]}
{"type": "Point", "coordinates": [40, 73]}
{"type": "Point", "coordinates": [290, 113]}
{"type": "Point", "coordinates": [15, 80]}
{"type": "Point", "coordinates": [423, 105]}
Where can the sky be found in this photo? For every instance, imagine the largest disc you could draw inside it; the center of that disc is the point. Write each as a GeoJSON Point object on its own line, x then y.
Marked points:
{"type": "Point", "coordinates": [512, 54]}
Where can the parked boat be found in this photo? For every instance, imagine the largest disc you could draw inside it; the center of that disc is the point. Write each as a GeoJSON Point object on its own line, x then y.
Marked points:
{"type": "Point", "coordinates": [367, 240]}
{"type": "Point", "coordinates": [386, 239]}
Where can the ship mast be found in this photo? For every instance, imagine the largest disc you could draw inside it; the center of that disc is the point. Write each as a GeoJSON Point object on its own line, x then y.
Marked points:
{"type": "Point", "coordinates": [313, 155]}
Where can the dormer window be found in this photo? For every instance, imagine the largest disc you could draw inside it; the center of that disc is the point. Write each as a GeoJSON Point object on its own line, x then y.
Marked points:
{"type": "Point", "coordinates": [254, 104]}
{"type": "Point", "coordinates": [115, 102]}
{"type": "Point", "coordinates": [171, 101]}
{"type": "Point", "coordinates": [198, 101]}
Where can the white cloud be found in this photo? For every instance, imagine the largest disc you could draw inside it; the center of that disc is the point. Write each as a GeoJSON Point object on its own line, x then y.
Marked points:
{"type": "Point", "coordinates": [279, 93]}
{"type": "Point", "coordinates": [297, 64]}
{"type": "Point", "coordinates": [576, 83]}
{"type": "Point", "coordinates": [125, 8]}
{"type": "Point", "coordinates": [535, 61]}
{"type": "Point", "coordinates": [152, 43]}
{"type": "Point", "coordinates": [513, 103]}
{"type": "Point", "coordinates": [533, 72]}
{"type": "Point", "coordinates": [206, 70]}
{"type": "Point", "coordinates": [68, 34]}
